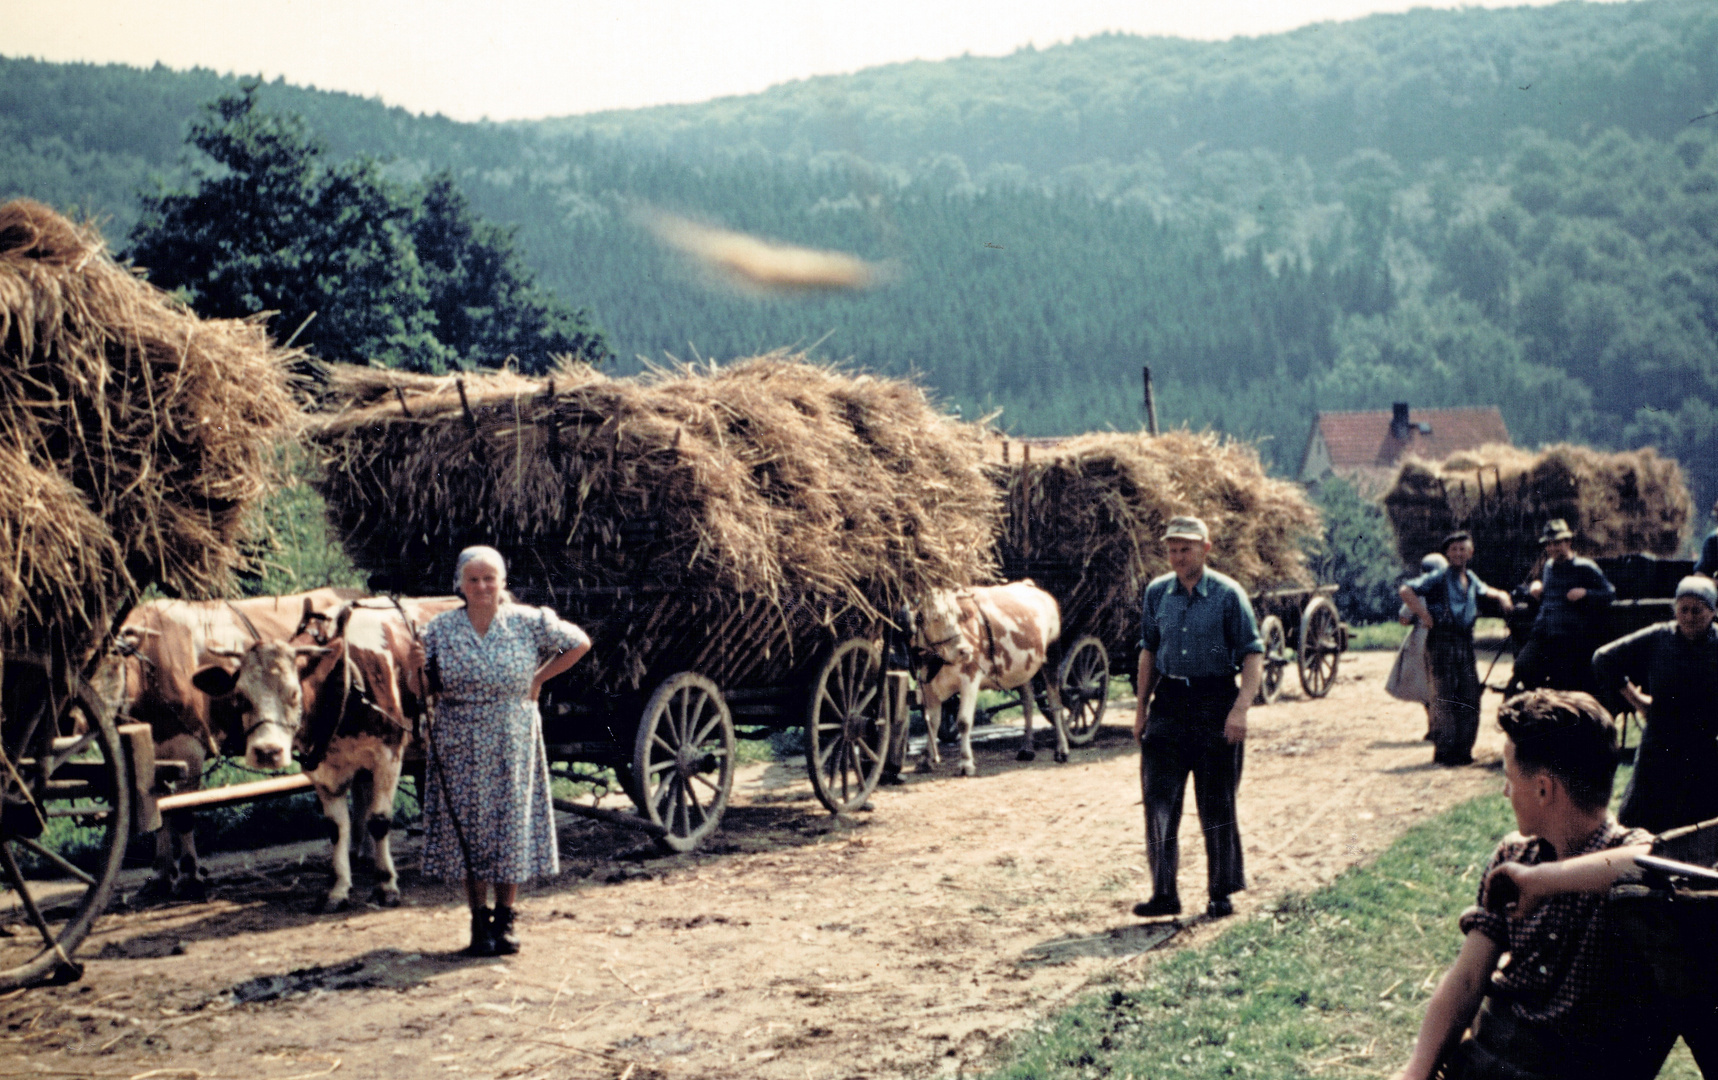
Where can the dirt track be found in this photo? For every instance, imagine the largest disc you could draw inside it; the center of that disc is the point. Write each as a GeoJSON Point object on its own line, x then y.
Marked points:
{"type": "Point", "coordinates": [910, 941]}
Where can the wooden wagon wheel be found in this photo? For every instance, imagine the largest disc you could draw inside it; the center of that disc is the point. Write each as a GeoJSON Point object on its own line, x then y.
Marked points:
{"type": "Point", "coordinates": [846, 731]}
{"type": "Point", "coordinates": [1084, 678]}
{"type": "Point", "coordinates": [683, 759]}
{"type": "Point", "coordinates": [1320, 650]}
{"type": "Point", "coordinates": [80, 783]}
{"type": "Point", "coordinates": [1271, 632]}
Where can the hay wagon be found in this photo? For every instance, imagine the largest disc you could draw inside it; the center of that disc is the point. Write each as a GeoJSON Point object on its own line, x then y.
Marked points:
{"type": "Point", "coordinates": [730, 537]}
{"type": "Point", "coordinates": [1081, 517]}
{"type": "Point", "coordinates": [704, 685]}
{"type": "Point", "coordinates": [137, 436]}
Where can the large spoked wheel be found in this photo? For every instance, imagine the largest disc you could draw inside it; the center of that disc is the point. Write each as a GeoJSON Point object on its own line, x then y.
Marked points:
{"type": "Point", "coordinates": [846, 731]}
{"type": "Point", "coordinates": [683, 759]}
{"type": "Point", "coordinates": [77, 793]}
{"type": "Point", "coordinates": [1084, 678]}
{"type": "Point", "coordinates": [1320, 650]}
{"type": "Point", "coordinates": [1271, 632]}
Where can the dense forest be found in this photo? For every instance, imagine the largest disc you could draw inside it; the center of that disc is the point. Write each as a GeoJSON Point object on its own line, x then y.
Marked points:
{"type": "Point", "coordinates": [1516, 207]}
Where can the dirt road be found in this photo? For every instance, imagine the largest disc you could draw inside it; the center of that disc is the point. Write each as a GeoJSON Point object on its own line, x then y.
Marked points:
{"type": "Point", "coordinates": [909, 941]}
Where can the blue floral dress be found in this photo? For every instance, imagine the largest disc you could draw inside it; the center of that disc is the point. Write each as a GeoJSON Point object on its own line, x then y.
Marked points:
{"type": "Point", "coordinates": [486, 736]}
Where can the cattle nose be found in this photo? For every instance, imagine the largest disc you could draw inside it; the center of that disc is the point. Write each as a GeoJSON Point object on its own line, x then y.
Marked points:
{"type": "Point", "coordinates": [268, 757]}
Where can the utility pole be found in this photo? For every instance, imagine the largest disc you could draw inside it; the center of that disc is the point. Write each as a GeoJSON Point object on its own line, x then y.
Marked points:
{"type": "Point", "coordinates": [1150, 404]}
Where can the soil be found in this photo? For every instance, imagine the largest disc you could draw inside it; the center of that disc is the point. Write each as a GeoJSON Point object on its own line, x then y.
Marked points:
{"type": "Point", "coordinates": [908, 941]}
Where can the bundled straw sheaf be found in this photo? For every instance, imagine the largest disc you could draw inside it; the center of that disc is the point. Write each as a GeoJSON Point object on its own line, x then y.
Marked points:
{"type": "Point", "coordinates": [721, 520]}
{"type": "Point", "coordinates": [133, 435]}
{"type": "Point", "coordinates": [1097, 506]}
{"type": "Point", "coordinates": [1617, 504]}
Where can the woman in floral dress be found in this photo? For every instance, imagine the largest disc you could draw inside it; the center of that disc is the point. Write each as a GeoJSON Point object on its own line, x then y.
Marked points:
{"type": "Point", "coordinates": [488, 789]}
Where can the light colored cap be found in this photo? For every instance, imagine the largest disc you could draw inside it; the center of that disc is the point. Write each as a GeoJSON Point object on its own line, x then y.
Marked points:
{"type": "Point", "coordinates": [1701, 586]}
{"type": "Point", "coordinates": [1432, 562]}
{"type": "Point", "coordinates": [1186, 528]}
{"type": "Point", "coordinates": [1556, 529]}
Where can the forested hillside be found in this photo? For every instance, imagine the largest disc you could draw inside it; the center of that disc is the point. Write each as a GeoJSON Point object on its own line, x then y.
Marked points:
{"type": "Point", "coordinates": [1515, 207]}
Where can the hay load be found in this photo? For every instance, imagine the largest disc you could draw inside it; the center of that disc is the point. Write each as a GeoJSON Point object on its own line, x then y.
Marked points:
{"type": "Point", "coordinates": [133, 435]}
{"type": "Point", "coordinates": [1099, 503]}
{"type": "Point", "coordinates": [712, 519]}
{"type": "Point", "coordinates": [1618, 504]}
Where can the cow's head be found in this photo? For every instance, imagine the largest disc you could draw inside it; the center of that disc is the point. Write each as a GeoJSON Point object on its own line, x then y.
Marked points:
{"type": "Point", "coordinates": [264, 693]}
{"type": "Point", "coordinates": [936, 628]}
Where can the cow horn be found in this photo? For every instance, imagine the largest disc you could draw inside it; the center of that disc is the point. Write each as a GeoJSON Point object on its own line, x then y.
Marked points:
{"type": "Point", "coordinates": [225, 653]}
{"type": "Point", "coordinates": [311, 650]}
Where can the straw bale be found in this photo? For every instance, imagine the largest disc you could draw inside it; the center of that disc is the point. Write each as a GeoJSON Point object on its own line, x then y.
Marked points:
{"type": "Point", "coordinates": [708, 518]}
{"type": "Point", "coordinates": [1099, 504]}
{"type": "Point", "coordinates": [1617, 504]}
{"type": "Point", "coordinates": [145, 429]}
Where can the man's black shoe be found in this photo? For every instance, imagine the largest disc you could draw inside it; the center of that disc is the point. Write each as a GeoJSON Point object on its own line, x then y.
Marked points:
{"type": "Point", "coordinates": [1157, 907]}
{"type": "Point", "coordinates": [1220, 907]}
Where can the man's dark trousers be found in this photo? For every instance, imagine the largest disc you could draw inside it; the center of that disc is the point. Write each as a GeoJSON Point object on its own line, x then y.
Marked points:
{"type": "Point", "coordinates": [1184, 734]}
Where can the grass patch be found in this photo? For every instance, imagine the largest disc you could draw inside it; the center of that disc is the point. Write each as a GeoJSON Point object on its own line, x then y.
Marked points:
{"type": "Point", "coordinates": [1377, 636]}
{"type": "Point", "coordinates": [1334, 983]}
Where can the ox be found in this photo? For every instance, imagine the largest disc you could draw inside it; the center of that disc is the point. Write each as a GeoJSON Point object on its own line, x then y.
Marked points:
{"type": "Point", "coordinates": [155, 676]}
{"type": "Point", "coordinates": [993, 637]}
{"type": "Point", "coordinates": [351, 712]}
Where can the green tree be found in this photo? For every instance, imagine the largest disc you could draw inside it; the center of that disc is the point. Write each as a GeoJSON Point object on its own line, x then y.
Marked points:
{"type": "Point", "coordinates": [481, 292]}
{"type": "Point", "coordinates": [1358, 553]}
{"type": "Point", "coordinates": [333, 248]}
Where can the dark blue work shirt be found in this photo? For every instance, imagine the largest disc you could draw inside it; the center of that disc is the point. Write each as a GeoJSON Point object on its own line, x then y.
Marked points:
{"type": "Point", "coordinates": [1201, 633]}
{"type": "Point", "coordinates": [1708, 563]}
{"type": "Point", "coordinates": [1557, 616]}
{"type": "Point", "coordinates": [1450, 604]}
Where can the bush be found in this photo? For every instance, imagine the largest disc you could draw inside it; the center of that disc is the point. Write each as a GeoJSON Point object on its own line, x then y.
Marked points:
{"type": "Point", "coordinates": [1358, 553]}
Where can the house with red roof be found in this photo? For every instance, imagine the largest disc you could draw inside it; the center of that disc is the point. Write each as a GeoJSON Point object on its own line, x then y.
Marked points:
{"type": "Point", "coordinates": [1366, 447]}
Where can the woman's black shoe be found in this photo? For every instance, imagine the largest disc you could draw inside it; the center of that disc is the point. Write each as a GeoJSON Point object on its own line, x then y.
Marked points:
{"type": "Point", "coordinates": [502, 938]}
{"type": "Point", "coordinates": [482, 936]}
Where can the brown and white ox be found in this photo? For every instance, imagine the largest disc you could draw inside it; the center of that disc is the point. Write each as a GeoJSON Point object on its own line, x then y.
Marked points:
{"type": "Point", "coordinates": [349, 712]}
{"type": "Point", "coordinates": [992, 637]}
{"type": "Point", "coordinates": [154, 676]}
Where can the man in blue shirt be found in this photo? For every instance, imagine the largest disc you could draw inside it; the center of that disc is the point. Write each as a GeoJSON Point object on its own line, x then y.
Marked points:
{"type": "Point", "coordinates": [1447, 602]}
{"type": "Point", "coordinates": [1708, 563]}
{"type": "Point", "coordinates": [1196, 631]}
{"type": "Point", "coordinates": [1573, 594]}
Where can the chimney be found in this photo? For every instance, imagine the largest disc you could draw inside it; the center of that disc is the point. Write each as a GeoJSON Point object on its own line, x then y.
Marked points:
{"type": "Point", "coordinates": [1399, 426]}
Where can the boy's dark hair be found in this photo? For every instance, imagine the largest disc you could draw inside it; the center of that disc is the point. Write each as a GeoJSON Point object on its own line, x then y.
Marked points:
{"type": "Point", "coordinates": [1567, 734]}
{"type": "Point", "coordinates": [1455, 538]}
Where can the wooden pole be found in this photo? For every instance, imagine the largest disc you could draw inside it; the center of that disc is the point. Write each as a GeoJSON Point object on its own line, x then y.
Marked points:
{"type": "Point", "coordinates": [234, 793]}
{"type": "Point", "coordinates": [1150, 403]}
{"type": "Point", "coordinates": [1026, 499]}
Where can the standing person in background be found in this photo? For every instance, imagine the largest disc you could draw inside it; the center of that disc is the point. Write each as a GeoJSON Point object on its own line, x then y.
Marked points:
{"type": "Point", "coordinates": [1431, 563]}
{"type": "Point", "coordinates": [1708, 563]}
{"type": "Point", "coordinates": [1447, 602]}
{"type": "Point", "coordinates": [1196, 631]}
{"type": "Point", "coordinates": [1669, 673]}
{"type": "Point", "coordinates": [489, 821]}
{"type": "Point", "coordinates": [1573, 594]}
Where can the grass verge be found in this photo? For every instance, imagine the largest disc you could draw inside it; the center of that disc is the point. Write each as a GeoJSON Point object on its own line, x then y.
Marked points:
{"type": "Point", "coordinates": [1331, 984]}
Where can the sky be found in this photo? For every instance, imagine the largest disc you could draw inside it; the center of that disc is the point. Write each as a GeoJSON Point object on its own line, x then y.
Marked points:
{"type": "Point", "coordinates": [526, 59]}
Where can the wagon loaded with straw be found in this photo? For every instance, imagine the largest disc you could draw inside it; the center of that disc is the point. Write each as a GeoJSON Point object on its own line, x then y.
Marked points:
{"type": "Point", "coordinates": [733, 540]}
{"type": "Point", "coordinates": [1083, 516]}
{"type": "Point", "coordinates": [133, 438]}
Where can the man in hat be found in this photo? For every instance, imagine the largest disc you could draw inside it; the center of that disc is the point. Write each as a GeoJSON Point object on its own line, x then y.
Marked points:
{"type": "Point", "coordinates": [1573, 594]}
{"type": "Point", "coordinates": [1447, 602]}
{"type": "Point", "coordinates": [1668, 672]}
{"type": "Point", "coordinates": [1196, 631]}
